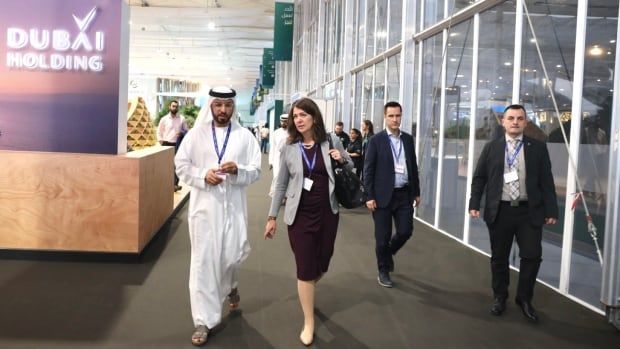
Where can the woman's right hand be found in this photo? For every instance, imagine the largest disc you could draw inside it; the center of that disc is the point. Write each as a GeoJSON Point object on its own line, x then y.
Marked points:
{"type": "Point", "coordinates": [270, 229]}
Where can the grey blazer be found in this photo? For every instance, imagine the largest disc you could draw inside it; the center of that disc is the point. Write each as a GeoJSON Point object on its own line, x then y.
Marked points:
{"type": "Point", "coordinates": [291, 176]}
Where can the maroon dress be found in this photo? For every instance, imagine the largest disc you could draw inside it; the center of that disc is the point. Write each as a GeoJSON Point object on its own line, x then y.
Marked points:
{"type": "Point", "coordinates": [313, 233]}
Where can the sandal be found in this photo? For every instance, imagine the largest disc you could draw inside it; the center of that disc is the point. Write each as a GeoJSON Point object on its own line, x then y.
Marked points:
{"type": "Point", "coordinates": [199, 338]}
{"type": "Point", "coordinates": [233, 299]}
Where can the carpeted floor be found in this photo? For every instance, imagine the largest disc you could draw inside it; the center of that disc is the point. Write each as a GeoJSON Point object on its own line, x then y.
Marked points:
{"type": "Point", "coordinates": [441, 298]}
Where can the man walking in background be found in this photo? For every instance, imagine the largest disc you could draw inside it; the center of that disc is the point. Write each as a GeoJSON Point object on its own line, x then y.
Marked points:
{"type": "Point", "coordinates": [392, 188]}
{"type": "Point", "coordinates": [278, 140]}
{"type": "Point", "coordinates": [171, 129]}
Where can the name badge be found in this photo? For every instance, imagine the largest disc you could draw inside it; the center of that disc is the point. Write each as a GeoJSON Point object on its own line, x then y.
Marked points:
{"type": "Point", "coordinates": [511, 177]}
{"type": "Point", "coordinates": [308, 183]}
{"type": "Point", "coordinates": [400, 169]}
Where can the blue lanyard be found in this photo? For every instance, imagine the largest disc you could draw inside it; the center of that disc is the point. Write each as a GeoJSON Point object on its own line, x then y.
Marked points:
{"type": "Point", "coordinates": [400, 149]}
{"type": "Point", "coordinates": [511, 159]}
{"type": "Point", "coordinates": [219, 154]}
{"type": "Point", "coordinates": [308, 163]}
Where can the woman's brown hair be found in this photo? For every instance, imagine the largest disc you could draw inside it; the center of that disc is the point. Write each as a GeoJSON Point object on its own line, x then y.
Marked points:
{"type": "Point", "coordinates": [318, 128]}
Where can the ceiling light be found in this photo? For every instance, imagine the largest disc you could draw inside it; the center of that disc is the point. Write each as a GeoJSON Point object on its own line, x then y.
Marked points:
{"type": "Point", "coordinates": [612, 41]}
{"type": "Point", "coordinates": [595, 51]}
{"type": "Point", "coordinates": [507, 63]}
{"type": "Point", "coordinates": [454, 34]}
{"type": "Point", "coordinates": [532, 40]}
{"type": "Point", "coordinates": [558, 66]}
{"type": "Point", "coordinates": [211, 25]}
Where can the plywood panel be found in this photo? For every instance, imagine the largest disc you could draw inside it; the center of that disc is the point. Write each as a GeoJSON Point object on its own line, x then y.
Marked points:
{"type": "Point", "coordinates": [78, 202]}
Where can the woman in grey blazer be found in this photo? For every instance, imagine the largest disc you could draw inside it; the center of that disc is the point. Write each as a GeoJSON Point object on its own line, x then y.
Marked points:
{"type": "Point", "coordinates": [306, 179]}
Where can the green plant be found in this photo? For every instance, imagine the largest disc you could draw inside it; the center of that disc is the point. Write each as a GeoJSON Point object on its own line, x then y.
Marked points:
{"type": "Point", "coordinates": [190, 112]}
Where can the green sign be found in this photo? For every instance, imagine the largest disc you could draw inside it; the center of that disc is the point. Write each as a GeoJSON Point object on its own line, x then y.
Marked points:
{"type": "Point", "coordinates": [283, 31]}
{"type": "Point", "coordinates": [269, 68]}
{"type": "Point", "coordinates": [279, 110]}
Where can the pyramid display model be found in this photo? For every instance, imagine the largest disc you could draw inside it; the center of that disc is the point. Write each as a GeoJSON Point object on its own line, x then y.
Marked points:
{"type": "Point", "coordinates": [141, 132]}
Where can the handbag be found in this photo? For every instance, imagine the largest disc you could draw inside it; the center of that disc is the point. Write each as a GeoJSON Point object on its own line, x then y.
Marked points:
{"type": "Point", "coordinates": [348, 189]}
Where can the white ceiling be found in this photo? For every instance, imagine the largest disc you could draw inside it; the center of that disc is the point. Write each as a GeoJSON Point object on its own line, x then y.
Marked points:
{"type": "Point", "coordinates": [216, 42]}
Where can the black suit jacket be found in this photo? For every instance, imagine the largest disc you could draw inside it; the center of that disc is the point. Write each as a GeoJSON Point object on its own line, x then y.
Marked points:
{"type": "Point", "coordinates": [379, 168]}
{"type": "Point", "coordinates": [489, 173]}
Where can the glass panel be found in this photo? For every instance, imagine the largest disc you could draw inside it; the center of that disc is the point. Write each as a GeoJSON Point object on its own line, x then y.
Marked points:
{"type": "Point", "coordinates": [416, 91]}
{"type": "Point", "coordinates": [367, 103]}
{"type": "Point", "coordinates": [558, 55]}
{"type": "Point", "coordinates": [370, 32]}
{"type": "Point", "coordinates": [361, 40]}
{"type": "Point", "coordinates": [379, 93]}
{"type": "Point", "coordinates": [357, 111]}
{"type": "Point", "coordinates": [586, 272]}
{"type": "Point", "coordinates": [429, 126]}
{"type": "Point", "coordinates": [455, 5]}
{"type": "Point", "coordinates": [393, 78]}
{"type": "Point", "coordinates": [433, 12]}
{"type": "Point", "coordinates": [396, 22]}
{"type": "Point", "coordinates": [382, 30]}
{"type": "Point", "coordinates": [456, 129]}
{"type": "Point", "coordinates": [496, 47]}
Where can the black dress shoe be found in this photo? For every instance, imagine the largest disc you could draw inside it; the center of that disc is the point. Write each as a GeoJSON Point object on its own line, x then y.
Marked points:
{"type": "Point", "coordinates": [499, 306]}
{"type": "Point", "coordinates": [384, 279]}
{"type": "Point", "coordinates": [528, 310]}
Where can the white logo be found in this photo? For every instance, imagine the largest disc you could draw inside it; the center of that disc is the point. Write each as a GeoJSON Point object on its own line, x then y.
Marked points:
{"type": "Point", "coordinates": [30, 49]}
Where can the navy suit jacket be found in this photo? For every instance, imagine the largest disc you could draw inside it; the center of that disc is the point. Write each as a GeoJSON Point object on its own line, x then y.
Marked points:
{"type": "Point", "coordinates": [540, 188]}
{"type": "Point", "coordinates": [379, 168]}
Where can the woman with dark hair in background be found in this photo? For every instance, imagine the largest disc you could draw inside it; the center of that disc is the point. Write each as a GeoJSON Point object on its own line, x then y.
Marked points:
{"type": "Point", "coordinates": [311, 210]}
{"type": "Point", "coordinates": [367, 132]}
{"type": "Point", "coordinates": [355, 150]}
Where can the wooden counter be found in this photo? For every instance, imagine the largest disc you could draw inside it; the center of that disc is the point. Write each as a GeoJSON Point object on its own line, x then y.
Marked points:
{"type": "Point", "coordinates": [84, 202]}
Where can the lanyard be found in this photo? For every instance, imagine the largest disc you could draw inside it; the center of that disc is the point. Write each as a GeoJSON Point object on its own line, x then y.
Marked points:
{"type": "Point", "coordinates": [400, 149]}
{"type": "Point", "coordinates": [511, 159]}
{"type": "Point", "coordinates": [308, 163]}
{"type": "Point", "coordinates": [219, 154]}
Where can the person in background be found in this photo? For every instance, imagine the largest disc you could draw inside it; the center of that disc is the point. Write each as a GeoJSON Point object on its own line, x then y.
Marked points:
{"type": "Point", "coordinates": [264, 139]}
{"type": "Point", "coordinates": [343, 136]}
{"type": "Point", "coordinates": [278, 141]}
{"type": "Point", "coordinates": [172, 127]}
{"type": "Point", "coordinates": [392, 187]}
{"type": "Point", "coordinates": [355, 150]}
{"type": "Point", "coordinates": [367, 132]}
{"type": "Point", "coordinates": [311, 211]}
{"type": "Point", "coordinates": [515, 173]}
{"type": "Point", "coordinates": [218, 159]}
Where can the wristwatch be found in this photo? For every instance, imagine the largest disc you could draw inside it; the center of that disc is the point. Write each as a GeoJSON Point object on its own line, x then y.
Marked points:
{"type": "Point", "coordinates": [271, 218]}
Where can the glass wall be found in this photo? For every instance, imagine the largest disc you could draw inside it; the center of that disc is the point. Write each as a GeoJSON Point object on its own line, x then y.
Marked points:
{"type": "Point", "coordinates": [361, 31]}
{"type": "Point", "coordinates": [382, 30]}
{"type": "Point", "coordinates": [456, 129]}
{"type": "Point", "coordinates": [593, 160]}
{"type": "Point", "coordinates": [377, 26]}
{"type": "Point", "coordinates": [379, 93]}
{"type": "Point", "coordinates": [494, 88]}
{"type": "Point", "coordinates": [557, 51]}
{"type": "Point", "coordinates": [370, 29]}
{"type": "Point", "coordinates": [393, 78]}
{"type": "Point", "coordinates": [428, 150]}
{"type": "Point", "coordinates": [396, 22]}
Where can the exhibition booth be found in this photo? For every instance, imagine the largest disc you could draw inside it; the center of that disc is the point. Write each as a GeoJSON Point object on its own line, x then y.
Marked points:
{"type": "Point", "coordinates": [67, 180]}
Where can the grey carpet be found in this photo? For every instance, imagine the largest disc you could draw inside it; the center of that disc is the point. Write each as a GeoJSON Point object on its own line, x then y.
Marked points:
{"type": "Point", "coordinates": [441, 298]}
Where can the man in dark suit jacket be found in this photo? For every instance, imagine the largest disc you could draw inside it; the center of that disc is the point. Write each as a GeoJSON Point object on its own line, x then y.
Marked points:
{"type": "Point", "coordinates": [520, 198]}
{"type": "Point", "coordinates": [392, 188]}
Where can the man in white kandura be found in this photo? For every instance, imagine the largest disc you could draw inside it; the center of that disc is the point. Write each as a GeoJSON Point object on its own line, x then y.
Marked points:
{"type": "Point", "coordinates": [218, 159]}
{"type": "Point", "coordinates": [278, 139]}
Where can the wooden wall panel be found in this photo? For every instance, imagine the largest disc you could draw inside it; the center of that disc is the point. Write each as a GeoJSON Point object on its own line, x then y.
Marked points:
{"type": "Point", "coordinates": [77, 202]}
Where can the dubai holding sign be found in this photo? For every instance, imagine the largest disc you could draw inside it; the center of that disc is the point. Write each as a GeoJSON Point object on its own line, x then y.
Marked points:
{"type": "Point", "coordinates": [63, 75]}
